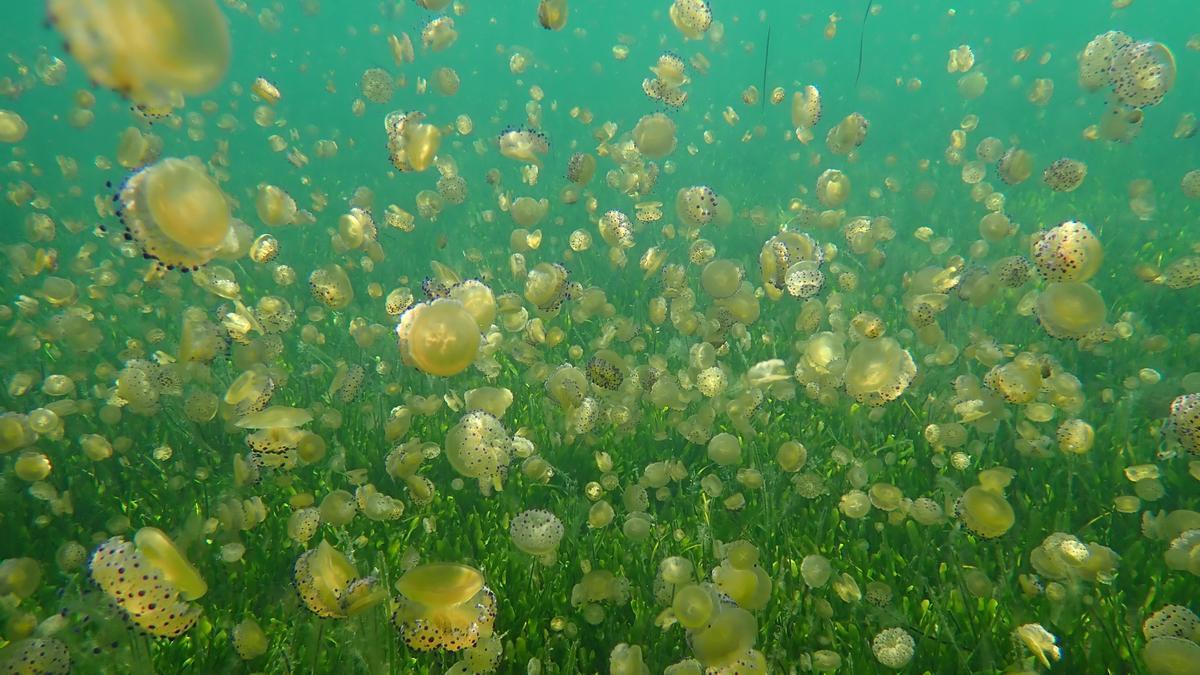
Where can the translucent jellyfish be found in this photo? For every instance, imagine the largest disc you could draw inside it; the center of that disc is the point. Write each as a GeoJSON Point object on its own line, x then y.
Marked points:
{"type": "Point", "coordinates": [1040, 642]}
{"type": "Point", "coordinates": [1015, 166]}
{"type": "Point", "coordinates": [804, 279]}
{"type": "Point", "coordinates": [721, 278]}
{"type": "Point", "coordinates": [376, 85]}
{"type": "Point", "coordinates": [546, 286]}
{"type": "Point", "coordinates": [441, 337]}
{"type": "Point", "coordinates": [524, 144]}
{"type": "Point", "coordinates": [150, 51]}
{"type": "Point", "coordinates": [1142, 73]}
{"type": "Point", "coordinates": [1013, 271]}
{"type": "Point", "coordinates": [693, 18]}
{"type": "Point", "coordinates": [1070, 310]}
{"type": "Point", "coordinates": [552, 14]}
{"type": "Point", "coordinates": [581, 168]}
{"type": "Point", "coordinates": [1068, 252]}
{"type": "Point", "coordinates": [1182, 273]}
{"type": "Point", "coordinates": [36, 656]}
{"type": "Point", "coordinates": [439, 34]}
{"type": "Point", "coordinates": [443, 606]}
{"type": "Point", "coordinates": [1184, 421]}
{"type": "Point", "coordinates": [1184, 552]}
{"type": "Point", "coordinates": [606, 370]}
{"type": "Point", "coordinates": [329, 585]}
{"type": "Point", "coordinates": [725, 449]}
{"type": "Point", "coordinates": [330, 286]}
{"type": "Point", "coordinates": [984, 512]}
{"type": "Point", "coordinates": [1018, 381]}
{"type": "Point", "coordinates": [1190, 184]}
{"type": "Point", "coordinates": [878, 371]}
{"type": "Point", "coordinates": [1170, 656]}
{"type": "Point", "coordinates": [627, 659]}
{"type": "Point", "coordinates": [12, 127]}
{"type": "Point", "coordinates": [1096, 58]}
{"type": "Point", "coordinates": [412, 143]}
{"type": "Point", "coordinates": [615, 229]}
{"type": "Point", "coordinates": [538, 533]}
{"type": "Point", "coordinates": [479, 447]}
{"type": "Point", "coordinates": [893, 647]}
{"type": "Point", "coordinates": [1064, 175]}
{"type": "Point", "coordinates": [806, 107]}
{"type": "Point", "coordinates": [175, 212]}
{"type": "Point", "coordinates": [149, 581]}
{"type": "Point", "coordinates": [654, 135]}
{"type": "Point", "coordinates": [725, 639]}
{"type": "Point", "coordinates": [847, 135]}
{"type": "Point", "coordinates": [696, 205]}
{"type": "Point", "coordinates": [833, 188]}
{"type": "Point", "coordinates": [1171, 621]}
{"type": "Point", "coordinates": [249, 640]}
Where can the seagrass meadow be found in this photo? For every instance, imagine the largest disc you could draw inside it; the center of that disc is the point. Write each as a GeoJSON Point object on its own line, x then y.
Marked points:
{"type": "Point", "coordinates": [563, 337]}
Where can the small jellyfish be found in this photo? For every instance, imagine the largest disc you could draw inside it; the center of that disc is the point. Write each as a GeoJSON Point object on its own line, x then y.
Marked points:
{"type": "Point", "coordinates": [36, 655]}
{"type": "Point", "coordinates": [552, 14]}
{"type": "Point", "coordinates": [330, 286]}
{"type": "Point", "coordinates": [412, 143]}
{"type": "Point", "coordinates": [692, 18]}
{"type": "Point", "coordinates": [443, 606]}
{"type": "Point", "coordinates": [1142, 73]}
{"type": "Point", "coordinates": [149, 51]}
{"type": "Point", "coordinates": [538, 533]}
{"type": "Point", "coordinates": [1064, 175]}
{"type": "Point", "coordinates": [176, 213]}
{"type": "Point", "coordinates": [1184, 421]}
{"type": "Point", "coordinates": [878, 371]}
{"type": "Point", "coordinates": [654, 136]}
{"type": "Point", "coordinates": [848, 134]}
{"type": "Point", "coordinates": [806, 107]}
{"type": "Point", "coordinates": [439, 34]}
{"type": "Point", "coordinates": [329, 585]}
{"type": "Point", "coordinates": [440, 337]}
{"type": "Point", "coordinates": [12, 127]}
{"type": "Point", "coordinates": [524, 145]}
{"type": "Point", "coordinates": [1190, 184]}
{"type": "Point", "coordinates": [833, 188]}
{"type": "Point", "coordinates": [1068, 252]}
{"type": "Point", "coordinates": [1015, 166]}
{"type": "Point", "coordinates": [581, 168]}
{"type": "Point", "coordinates": [893, 647]}
{"type": "Point", "coordinates": [376, 85]}
{"type": "Point", "coordinates": [984, 512]}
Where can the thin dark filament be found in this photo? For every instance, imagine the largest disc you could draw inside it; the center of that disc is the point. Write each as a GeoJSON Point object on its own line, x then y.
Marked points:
{"type": "Point", "coordinates": [862, 38]}
{"type": "Point", "coordinates": [766, 61]}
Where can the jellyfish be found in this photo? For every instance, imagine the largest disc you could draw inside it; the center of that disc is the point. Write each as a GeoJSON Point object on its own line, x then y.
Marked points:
{"type": "Point", "coordinates": [878, 371]}
{"type": "Point", "coordinates": [581, 168]}
{"type": "Point", "coordinates": [149, 582]}
{"type": "Point", "coordinates": [1040, 642]}
{"type": "Point", "coordinates": [1171, 621]}
{"type": "Point", "coordinates": [985, 513]}
{"type": "Point", "coordinates": [546, 286]}
{"type": "Point", "coordinates": [833, 188]}
{"type": "Point", "coordinates": [412, 143]}
{"type": "Point", "coordinates": [847, 134]}
{"type": "Point", "coordinates": [524, 144]}
{"type": "Point", "coordinates": [12, 127]}
{"type": "Point", "coordinates": [1096, 59]}
{"type": "Point", "coordinates": [552, 14]}
{"type": "Point", "coordinates": [1068, 252]}
{"type": "Point", "coordinates": [727, 637]}
{"type": "Point", "coordinates": [330, 286]}
{"type": "Point", "coordinates": [1190, 184]}
{"type": "Point", "coordinates": [1015, 166]}
{"type": "Point", "coordinates": [329, 585]}
{"type": "Point", "coordinates": [893, 647]}
{"type": "Point", "coordinates": [175, 212]}
{"type": "Point", "coordinates": [806, 107]}
{"type": "Point", "coordinates": [626, 659]}
{"type": "Point", "coordinates": [439, 34]}
{"type": "Point", "coordinates": [1142, 73]}
{"type": "Point", "coordinates": [804, 279]}
{"type": "Point", "coordinates": [440, 337]}
{"type": "Point", "coordinates": [443, 606]}
{"type": "Point", "coordinates": [654, 135]}
{"type": "Point", "coordinates": [479, 447]}
{"type": "Point", "coordinates": [693, 18]}
{"type": "Point", "coordinates": [150, 51]}
{"type": "Point", "coordinates": [606, 370]}
{"type": "Point", "coordinates": [1064, 175]}
{"type": "Point", "coordinates": [36, 655]}
{"type": "Point", "coordinates": [376, 85]}
{"type": "Point", "coordinates": [538, 533]}
{"type": "Point", "coordinates": [1070, 310]}
{"type": "Point", "coordinates": [1184, 421]}
{"type": "Point", "coordinates": [615, 229]}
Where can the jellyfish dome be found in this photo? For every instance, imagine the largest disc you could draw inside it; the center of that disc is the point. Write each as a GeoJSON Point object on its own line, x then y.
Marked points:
{"type": "Point", "coordinates": [1064, 175]}
{"type": "Point", "coordinates": [479, 447]}
{"type": "Point", "coordinates": [149, 582]}
{"type": "Point", "coordinates": [176, 213]}
{"type": "Point", "coordinates": [1142, 73]}
{"type": "Point", "coordinates": [443, 606]}
{"type": "Point", "coordinates": [1068, 252]}
{"type": "Point", "coordinates": [693, 18]}
{"type": "Point", "coordinates": [148, 50]}
{"type": "Point", "coordinates": [878, 371]}
{"type": "Point", "coordinates": [441, 338]}
{"type": "Point", "coordinates": [1070, 310]}
{"type": "Point", "coordinates": [984, 512]}
{"type": "Point", "coordinates": [538, 533]}
{"type": "Point", "coordinates": [329, 585]}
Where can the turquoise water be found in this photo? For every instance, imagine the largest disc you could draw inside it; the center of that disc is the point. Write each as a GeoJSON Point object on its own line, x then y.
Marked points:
{"type": "Point", "coordinates": [1002, 481]}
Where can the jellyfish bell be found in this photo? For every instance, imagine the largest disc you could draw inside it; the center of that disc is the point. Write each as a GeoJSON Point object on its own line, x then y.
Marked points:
{"type": "Point", "coordinates": [552, 14]}
{"type": "Point", "coordinates": [692, 18]}
{"type": "Point", "coordinates": [654, 135]}
{"type": "Point", "coordinates": [1015, 166]}
{"type": "Point", "coordinates": [806, 107]}
{"type": "Point", "coordinates": [984, 512]}
{"type": "Point", "coordinates": [878, 371]}
{"type": "Point", "coordinates": [1142, 73]}
{"type": "Point", "coordinates": [670, 70]}
{"type": "Point", "coordinates": [329, 585]}
{"type": "Point", "coordinates": [524, 145]}
{"type": "Point", "coordinates": [148, 50]}
{"type": "Point", "coordinates": [1064, 175]}
{"type": "Point", "coordinates": [443, 606]}
{"type": "Point", "coordinates": [1070, 310]}
{"type": "Point", "coordinates": [833, 188]}
{"type": "Point", "coordinates": [176, 213]}
{"type": "Point", "coordinates": [330, 286]}
{"type": "Point", "coordinates": [439, 34]}
{"type": "Point", "coordinates": [726, 638]}
{"type": "Point", "coordinates": [440, 337]}
{"type": "Point", "coordinates": [1068, 252]}
{"type": "Point", "coordinates": [141, 580]}
{"type": "Point", "coordinates": [412, 143]}
{"type": "Point", "coordinates": [538, 533]}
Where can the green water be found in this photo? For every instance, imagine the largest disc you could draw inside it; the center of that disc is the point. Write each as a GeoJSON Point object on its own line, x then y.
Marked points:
{"type": "Point", "coordinates": [1074, 551]}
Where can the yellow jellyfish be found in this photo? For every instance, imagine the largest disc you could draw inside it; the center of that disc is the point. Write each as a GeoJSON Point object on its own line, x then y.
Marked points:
{"type": "Point", "coordinates": [1142, 73]}
{"type": "Point", "coordinates": [1018, 381]}
{"type": "Point", "coordinates": [12, 127]}
{"type": "Point", "coordinates": [412, 143]}
{"type": "Point", "coordinates": [441, 338]}
{"type": "Point", "coordinates": [847, 135]}
{"type": "Point", "coordinates": [329, 585]}
{"type": "Point", "coordinates": [878, 371]}
{"type": "Point", "coordinates": [726, 638]}
{"type": "Point", "coordinates": [1068, 252]}
{"type": "Point", "coordinates": [524, 145]}
{"type": "Point", "coordinates": [1169, 655]}
{"type": "Point", "coordinates": [984, 512]}
{"type": "Point", "coordinates": [1184, 421]}
{"type": "Point", "coordinates": [439, 34]}
{"type": "Point", "coordinates": [721, 278]}
{"type": "Point", "coordinates": [546, 286]}
{"type": "Point", "coordinates": [330, 286]}
{"type": "Point", "coordinates": [1064, 175]}
{"type": "Point", "coordinates": [538, 533]}
{"type": "Point", "coordinates": [552, 14]}
{"type": "Point", "coordinates": [149, 581]}
{"type": "Point", "coordinates": [615, 229]}
{"type": "Point", "coordinates": [148, 50]}
{"type": "Point", "coordinates": [479, 447]}
{"type": "Point", "coordinates": [376, 85]}
{"type": "Point", "coordinates": [606, 370]}
{"type": "Point", "coordinates": [806, 107]}
{"type": "Point", "coordinates": [1015, 166]}
{"type": "Point", "coordinates": [1190, 184]}
{"type": "Point", "coordinates": [36, 655]}
{"type": "Point", "coordinates": [175, 212]}
{"type": "Point", "coordinates": [833, 188]}
{"type": "Point", "coordinates": [443, 606]}
{"type": "Point", "coordinates": [1096, 59]}
{"type": "Point", "coordinates": [693, 18]}
{"type": "Point", "coordinates": [893, 647]}
{"type": "Point", "coordinates": [654, 135]}
{"type": "Point", "coordinates": [1070, 310]}
{"type": "Point", "coordinates": [581, 168]}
